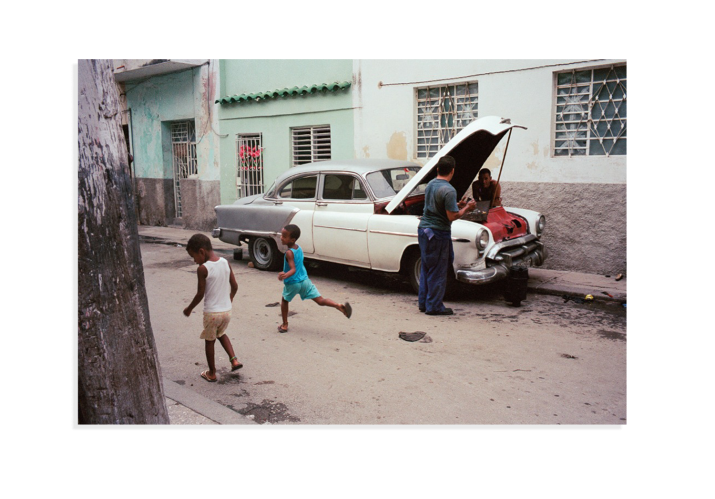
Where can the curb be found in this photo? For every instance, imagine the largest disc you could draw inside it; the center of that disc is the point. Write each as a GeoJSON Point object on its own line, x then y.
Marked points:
{"type": "Point", "coordinates": [204, 406]}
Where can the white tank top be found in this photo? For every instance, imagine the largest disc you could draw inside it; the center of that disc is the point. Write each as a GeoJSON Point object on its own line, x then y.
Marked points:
{"type": "Point", "coordinates": [217, 297]}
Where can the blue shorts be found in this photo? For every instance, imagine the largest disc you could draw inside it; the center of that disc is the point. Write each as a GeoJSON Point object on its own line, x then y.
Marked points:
{"type": "Point", "coordinates": [305, 289]}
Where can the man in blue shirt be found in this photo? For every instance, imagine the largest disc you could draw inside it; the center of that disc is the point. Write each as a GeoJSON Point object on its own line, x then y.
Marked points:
{"type": "Point", "coordinates": [435, 237]}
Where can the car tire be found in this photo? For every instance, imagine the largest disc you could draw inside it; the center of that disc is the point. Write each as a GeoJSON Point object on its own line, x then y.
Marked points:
{"type": "Point", "coordinates": [413, 267]}
{"type": "Point", "coordinates": [264, 253]}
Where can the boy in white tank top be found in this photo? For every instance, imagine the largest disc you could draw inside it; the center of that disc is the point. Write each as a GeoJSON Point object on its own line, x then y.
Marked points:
{"type": "Point", "coordinates": [217, 287]}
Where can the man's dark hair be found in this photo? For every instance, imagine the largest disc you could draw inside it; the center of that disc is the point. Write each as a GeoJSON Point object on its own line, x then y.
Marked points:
{"type": "Point", "coordinates": [293, 230]}
{"type": "Point", "coordinates": [197, 242]}
{"type": "Point", "coordinates": [445, 165]}
{"type": "Point", "coordinates": [484, 170]}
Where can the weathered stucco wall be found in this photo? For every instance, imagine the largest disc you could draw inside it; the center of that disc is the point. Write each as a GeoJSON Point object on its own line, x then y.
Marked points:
{"type": "Point", "coordinates": [154, 201]}
{"type": "Point", "coordinates": [155, 103]}
{"type": "Point", "coordinates": [199, 198]}
{"type": "Point", "coordinates": [583, 198]}
{"type": "Point", "coordinates": [585, 223]}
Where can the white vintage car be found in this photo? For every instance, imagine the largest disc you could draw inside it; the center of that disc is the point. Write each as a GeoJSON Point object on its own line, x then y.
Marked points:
{"type": "Point", "coordinates": [365, 213]}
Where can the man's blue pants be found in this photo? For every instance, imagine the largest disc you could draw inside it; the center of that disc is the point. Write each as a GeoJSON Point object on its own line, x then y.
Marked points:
{"type": "Point", "coordinates": [437, 256]}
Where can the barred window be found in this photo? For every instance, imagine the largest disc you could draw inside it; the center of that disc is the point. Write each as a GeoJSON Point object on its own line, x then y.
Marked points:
{"type": "Point", "coordinates": [591, 112]}
{"type": "Point", "coordinates": [311, 144]}
{"type": "Point", "coordinates": [183, 151]}
{"type": "Point", "coordinates": [441, 113]}
{"type": "Point", "coordinates": [249, 164]}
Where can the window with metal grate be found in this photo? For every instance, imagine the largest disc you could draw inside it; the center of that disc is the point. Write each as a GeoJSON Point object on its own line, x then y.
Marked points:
{"type": "Point", "coordinates": [590, 112]}
{"type": "Point", "coordinates": [442, 112]}
{"type": "Point", "coordinates": [311, 144]}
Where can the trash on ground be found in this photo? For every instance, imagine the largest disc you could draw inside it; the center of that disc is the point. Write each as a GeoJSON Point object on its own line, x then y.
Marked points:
{"type": "Point", "coordinates": [272, 304]}
{"type": "Point", "coordinates": [619, 277]}
{"type": "Point", "coordinates": [607, 294]}
{"type": "Point", "coordinates": [417, 335]}
{"type": "Point", "coordinates": [588, 297]}
{"type": "Point", "coordinates": [420, 336]}
{"type": "Point", "coordinates": [567, 356]}
{"type": "Point", "coordinates": [577, 300]}
{"type": "Point", "coordinates": [250, 265]}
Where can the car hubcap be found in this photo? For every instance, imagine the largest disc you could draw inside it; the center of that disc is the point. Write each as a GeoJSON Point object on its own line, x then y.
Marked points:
{"type": "Point", "coordinates": [262, 252]}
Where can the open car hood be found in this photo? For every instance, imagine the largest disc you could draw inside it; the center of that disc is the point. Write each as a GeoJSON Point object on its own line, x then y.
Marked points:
{"type": "Point", "coordinates": [470, 148]}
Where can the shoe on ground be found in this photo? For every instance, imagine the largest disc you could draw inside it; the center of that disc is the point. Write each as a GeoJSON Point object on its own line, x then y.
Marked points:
{"type": "Point", "coordinates": [446, 311]}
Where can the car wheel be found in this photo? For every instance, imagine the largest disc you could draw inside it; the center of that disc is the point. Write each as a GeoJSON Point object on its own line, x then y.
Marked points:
{"type": "Point", "coordinates": [264, 253]}
{"type": "Point", "coordinates": [413, 268]}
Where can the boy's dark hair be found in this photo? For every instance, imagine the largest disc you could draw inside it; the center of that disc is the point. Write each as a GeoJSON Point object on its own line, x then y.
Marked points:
{"type": "Point", "coordinates": [197, 242]}
{"type": "Point", "coordinates": [293, 230]}
{"type": "Point", "coordinates": [445, 165]}
{"type": "Point", "coordinates": [485, 170]}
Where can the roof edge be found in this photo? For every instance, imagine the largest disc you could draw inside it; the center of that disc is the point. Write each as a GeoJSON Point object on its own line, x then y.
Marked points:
{"type": "Point", "coordinates": [313, 89]}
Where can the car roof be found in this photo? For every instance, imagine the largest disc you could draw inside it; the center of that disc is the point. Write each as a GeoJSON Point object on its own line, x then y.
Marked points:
{"type": "Point", "coordinates": [359, 166]}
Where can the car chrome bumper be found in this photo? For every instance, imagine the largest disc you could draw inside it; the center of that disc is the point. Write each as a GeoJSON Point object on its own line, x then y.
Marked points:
{"type": "Point", "coordinates": [484, 276]}
{"type": "Point", "coordinates": [533, 253]}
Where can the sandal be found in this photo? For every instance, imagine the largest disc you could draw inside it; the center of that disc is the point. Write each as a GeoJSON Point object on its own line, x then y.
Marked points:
{"type": "Point", "coordinates": [282, 329]}
{"type": "Point", "coordinates": [348, 310]}
{"type": "Point", "coordinates": [237, 366]}
{"type": "Point", "coordinates": [205, 375]}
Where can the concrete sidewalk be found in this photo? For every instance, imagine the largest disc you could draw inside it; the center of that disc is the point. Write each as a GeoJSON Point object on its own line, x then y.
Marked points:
{"type": "Point", "coordinates": [188, 407]}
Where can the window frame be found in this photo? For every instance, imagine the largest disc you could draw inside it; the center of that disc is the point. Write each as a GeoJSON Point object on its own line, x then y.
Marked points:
{"type": "Point", "coordinates": [589, 105]}
{"type": "Point", "coordinates": [277, 193]}
{"type": "Point", "coordinates": [355, 177]}
{"type": "Point", "coordinates": [317, 152]}
{"type": "Point", "coordinates": [254, 168]}
{"type": "Point", "coordinates": [460, 123]}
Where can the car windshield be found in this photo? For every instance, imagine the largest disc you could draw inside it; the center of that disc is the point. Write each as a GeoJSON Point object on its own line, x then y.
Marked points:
{"type": "Point", "coordinates": [387, 183]}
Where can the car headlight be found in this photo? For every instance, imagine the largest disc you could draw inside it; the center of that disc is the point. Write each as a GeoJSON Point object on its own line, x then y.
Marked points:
{"type": "Point", "coordinates": [540, 226]}
{"type": "Point", "coordinates": [482, 239]}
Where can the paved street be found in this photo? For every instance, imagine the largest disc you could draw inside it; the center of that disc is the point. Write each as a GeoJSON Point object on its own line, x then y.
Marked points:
{"type": "Point", "coordinates": [546, 362]}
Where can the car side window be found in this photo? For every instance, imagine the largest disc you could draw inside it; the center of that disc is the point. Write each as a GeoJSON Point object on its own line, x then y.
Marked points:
{"type": "Point", "coordinates": [342, 187]}
{"type": "Point", "coordinates": [358, 191]}
{"type": "Point", "coordinates": [299, 188]}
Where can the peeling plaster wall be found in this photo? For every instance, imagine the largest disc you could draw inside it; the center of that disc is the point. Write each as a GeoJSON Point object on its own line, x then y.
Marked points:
{"type": "Point", "coordinates": [155, 103]}
{"type": "Point", "coordinates": [583, 198]}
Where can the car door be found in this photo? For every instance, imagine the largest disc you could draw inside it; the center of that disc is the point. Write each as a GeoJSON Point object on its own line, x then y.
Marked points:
{"type": "Point", "coordinates": [342, 212]}
{"type": "Point", "coordinates": [300, 192]}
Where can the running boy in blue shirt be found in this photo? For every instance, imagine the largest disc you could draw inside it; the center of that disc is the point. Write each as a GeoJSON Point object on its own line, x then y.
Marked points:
{"type": "Point", "coordinates": [295, 279]}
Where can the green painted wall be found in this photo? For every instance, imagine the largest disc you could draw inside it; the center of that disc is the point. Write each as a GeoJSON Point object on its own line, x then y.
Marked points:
{"type": "Point", "coordinates": [156, 102]}
{"type": "Point", "coordinates": [153, 101]}
{"type": "Point", "coordinates": [275, 118]}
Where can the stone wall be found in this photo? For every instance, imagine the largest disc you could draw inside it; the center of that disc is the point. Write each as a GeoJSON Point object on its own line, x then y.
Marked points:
{"type": "Point", "coordinates": [585, 223]}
